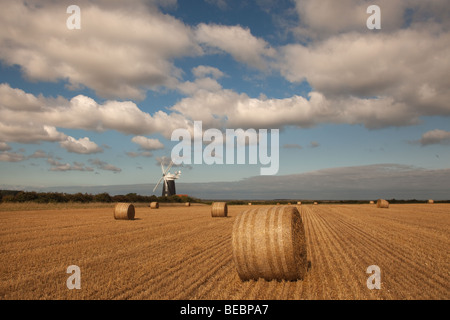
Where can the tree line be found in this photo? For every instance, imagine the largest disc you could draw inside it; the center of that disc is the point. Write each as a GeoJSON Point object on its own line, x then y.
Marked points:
{"type": "Point", "coordinates": [57, 197]}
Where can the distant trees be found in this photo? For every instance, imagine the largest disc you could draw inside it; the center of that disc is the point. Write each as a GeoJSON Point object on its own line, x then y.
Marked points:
{"type": "Point", "coordinates": [55, 197]}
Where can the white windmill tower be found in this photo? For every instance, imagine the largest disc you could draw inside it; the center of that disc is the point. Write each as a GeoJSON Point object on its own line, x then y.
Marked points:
{"type": "Point", "coordinates": [169, 180]}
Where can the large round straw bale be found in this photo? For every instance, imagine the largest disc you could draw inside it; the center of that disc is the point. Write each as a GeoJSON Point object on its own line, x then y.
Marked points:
{"type": "Point", "coordinates": [154, 205]}
{"type": "Point", "coordinates": [124, 211]}
{"type": "Point", "coordinates": [381, 203]}
{"type": "Point", "coordinates": [371, 202]}
{"type": "Point", "coordinates": [430, 201]}
{"type": "Point", "coordinates": [187, 204]}
{"type": "Point", "coordinates": [219, 209]}
{"type": "Point", "coordinates": [315, 203]}
{"type": "Point", "coordinates": [299, 203]}
{"type": "Point", "coordinates": [249, 203]}
{"type": "Point", "coordinates": [269, 243]}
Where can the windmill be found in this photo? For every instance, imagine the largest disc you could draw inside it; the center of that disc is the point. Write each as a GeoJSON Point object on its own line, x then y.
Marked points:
{"type": "Point", "coordinates": [169, 180]}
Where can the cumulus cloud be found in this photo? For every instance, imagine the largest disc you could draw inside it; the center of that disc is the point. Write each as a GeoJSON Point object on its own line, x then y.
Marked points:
{"type": "Point", "coordinates": [203, 71]}
{"type": "Point", "coordinates": [63, 167]}
{"type": "Point", "coordinates": [102, 165]}
{"type": "Point", "coordinates": [146, 154]}
{"type": "Point", "coordinates": [81, 146]}
{"type": "Point", "coordinates": [25, 126]}
{"type": "Point", "coordinates": [238, 42]}
{"type": "Point", "coordinates": [38, 154]}
{"type": "Point", "coordinates": [319, 19]}
{"type": "Point", "coordinates": [120, 51]}
{"type": "Point", "coordinates": [435, 137]}
{"type": "Point", "coordinates": [147, 144]}
{"type": "Point", "coordinates": [391, 68]}
{"type": "Point", "coordinates": [227, 108]}
{"type": "Point", "coordinates": [4, 146]}
{"type": "Point", "coordinates": [7, 156]}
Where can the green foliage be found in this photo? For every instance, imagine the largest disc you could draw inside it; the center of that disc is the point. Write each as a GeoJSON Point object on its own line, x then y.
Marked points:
{"type": "Point", "coordinates": [55, 197]}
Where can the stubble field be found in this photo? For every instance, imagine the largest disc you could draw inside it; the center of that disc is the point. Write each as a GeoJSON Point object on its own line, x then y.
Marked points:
{"type": "Point", "coordinates": [184, 253]}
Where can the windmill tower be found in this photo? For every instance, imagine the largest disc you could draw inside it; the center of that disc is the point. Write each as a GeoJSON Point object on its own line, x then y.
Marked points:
{"type": "Point", "coordinates": [169, 181]}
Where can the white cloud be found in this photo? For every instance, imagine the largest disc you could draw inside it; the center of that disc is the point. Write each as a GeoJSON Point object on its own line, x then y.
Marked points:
{"type": "Point", "coordinates": [237, 41]}
{"type": "Point", "coordinates": [435, 137]}
{"type": "Point", "coordinates": [38, 154]}
{"type": "Point", "coordinates": [406, 70]}
{"type": "Point", "coordinates": [146, 154]}
{"type": "Point", "coordinates": [104, 165]}
{"type": "Point", "coordinates": [203, 71]}
{"type": "Point", "coordinates": [147, 144]}
{"type": "Point", "coordinates": [4, 146]}
{"type": "Point", "coordinates": [63, 167]}
{"type": "Point", "coordinates": [6, 156]}
{"type": "Point", "coordinates": [81, 146]}
{"type": "Point", "coordinates": [120, 51]}
{"type": "Point", "coordinates": [80, 112]}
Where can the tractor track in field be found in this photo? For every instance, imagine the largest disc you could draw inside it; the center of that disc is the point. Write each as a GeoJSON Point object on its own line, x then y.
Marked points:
{"type": "Point", "coordinates": [183, 253]}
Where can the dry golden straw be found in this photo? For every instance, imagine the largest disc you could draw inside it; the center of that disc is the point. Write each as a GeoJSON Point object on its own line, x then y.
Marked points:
{"type": "Point", "coordinates": [299, 203]}
{"type": "Point", "coordinates": [187, 204]}
{"type": "Point", "coordinates": [382, 204]}
{"type": "Point", "coordinates": [219, 209]}
{"type": "Point", "coordinates": [269, 243]}
{"type": "Point", "coordinates": [124, 211]}
{"type": "Point", "coordinates": [430, 201]}
{"type": "Point", "coordinates": [371, 202]}
{"type": "Point", "coordinates": [154, 205]}
{"type": "Point", "coordinates": [315, 203]}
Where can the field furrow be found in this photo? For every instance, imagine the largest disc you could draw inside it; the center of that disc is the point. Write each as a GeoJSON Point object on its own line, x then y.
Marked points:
{"type": "Point", "coordinates": [184, 253]}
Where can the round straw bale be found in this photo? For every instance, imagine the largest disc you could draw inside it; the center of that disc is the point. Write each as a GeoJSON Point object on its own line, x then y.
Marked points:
{"type": "Point", "coordinates": [219, 209]}
{"type": "Point", "coordinates": [381, 203]}
{"type": "Point", "coordinates": [154, 205]}
{"type": "Point", "coordinates": [371, 202]}
{"type": "Point", "coordinates": [269, 243]}
{"type": "Point", "coordinates": [299, 203]}
{"type": "Point", "coordinates": [315, 203]}
{"type": "Point", "coordinates": [430, 201]}
{"type": "Point", "coordinates": [289, 203]}
{"type": "Point", "coordinates": [249, 203]}
{"type": "Point", "coordinates": [278, 203]}
{"type": "Point", "coordinates": [187, 204]}
{"type": "Point", "coordinates": [124, 211]}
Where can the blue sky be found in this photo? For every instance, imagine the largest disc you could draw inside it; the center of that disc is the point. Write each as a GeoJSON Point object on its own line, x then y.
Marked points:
{"type": "Point", "coordinates": [97, 106]}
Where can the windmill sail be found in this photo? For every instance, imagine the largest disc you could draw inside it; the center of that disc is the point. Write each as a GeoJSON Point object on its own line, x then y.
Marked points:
{"type": "Point", "coordinates": [169, 181]}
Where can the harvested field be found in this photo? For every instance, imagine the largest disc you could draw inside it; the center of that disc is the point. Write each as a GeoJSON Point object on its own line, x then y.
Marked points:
{"type": "Point", "coordinates": [184, 253]}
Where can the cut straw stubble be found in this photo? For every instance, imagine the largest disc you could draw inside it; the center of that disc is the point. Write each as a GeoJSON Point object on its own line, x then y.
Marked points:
{"type": "Point", "coordinates": [269, 243]}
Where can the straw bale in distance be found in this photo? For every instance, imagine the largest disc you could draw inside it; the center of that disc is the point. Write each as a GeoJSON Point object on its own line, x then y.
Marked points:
{"type": "Point", "coordinates": [124, 211]}
{"type": "Point", "coordinates": [430, 201]}
{"type": "Point", "coordinates": [299, 203]}
{"type": "Point", "coordinates": [371, 202]}
{"type": "Point", "coordinates": [249, 203]}
{"type": "Point", "coordinates": [381, 203]}
{"type": "Point", "coordinates": [269, 243]}
{"type": "Point", "coordinates": [315, 203]}
{"type": "Point", "coordinates": [187, 204]}
{"type": "Point", "coordinates": [219, 209]}
{"type": "Point", "coordinates": [154, 205]}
